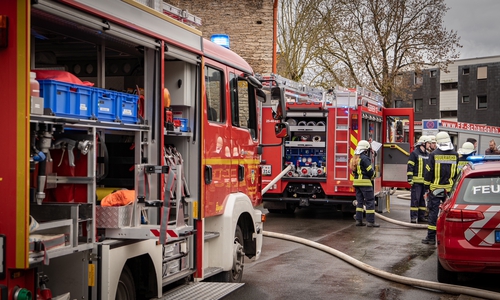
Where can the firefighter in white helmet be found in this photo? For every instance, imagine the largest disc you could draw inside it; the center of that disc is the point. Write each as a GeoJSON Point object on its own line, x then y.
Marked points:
{"type": "Point", "coordinates": [415, 175]}
{"type": "Point", "coordinates": [432, 145]}
{"type": "Point", "coordinates": [440, 172]}
{"type": "Point", "coordinates": [362, 169]}
{"type": "Point", "coordinates": [464, 152]}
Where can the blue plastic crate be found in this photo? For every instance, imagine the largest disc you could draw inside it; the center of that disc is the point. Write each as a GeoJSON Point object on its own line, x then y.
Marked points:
{"type": "Point", "coordinates": [128, 109]}
{"type": "Point", "coordinates": [106, 104]}
{"type": "Point", "coordinates": [67, 99]}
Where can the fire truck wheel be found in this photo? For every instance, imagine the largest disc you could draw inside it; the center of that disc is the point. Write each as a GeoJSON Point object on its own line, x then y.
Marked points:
{"type": "Point", "coordinates": [126, 287]}
{"type": "Point", "coordinates": [236, 273]}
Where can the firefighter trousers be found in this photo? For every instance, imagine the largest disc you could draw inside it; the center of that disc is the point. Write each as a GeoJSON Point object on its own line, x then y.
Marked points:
{"type": "Point", "coordinates": [433, 207]}
{"type": "Point", "coordinates": [417, 202]}
{"type": "Point", "coordinates": [366, 197]}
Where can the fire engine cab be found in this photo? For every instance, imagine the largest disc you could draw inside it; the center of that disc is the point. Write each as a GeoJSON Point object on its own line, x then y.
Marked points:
{"type": "Point", "coordinates": [131, 153]}
{"type": "Point", "coordinates": [325, 127]}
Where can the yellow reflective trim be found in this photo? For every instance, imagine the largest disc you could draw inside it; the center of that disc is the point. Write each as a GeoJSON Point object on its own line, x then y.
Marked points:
{"type": "Point", "coordinates": [411, 163]}
{"type": "Point", "coordinates": [430, 227]}
{"type": "Point", "coordinates": [91, 277]}
{"type": "Point", "coordinates": [370, 211]}
{"type": "Point", "coordinates": [369, 168]}
{"type": "Point", "coordinates": [359, 209]}
{"type": "Point", "coordinates": [398, 148]}
{"type": "Point", "coordinates": [414, 208]}
{"type": "Point", "coordinates": [22, 126]}
{"type": "Point", "coordinates": [422, 208]}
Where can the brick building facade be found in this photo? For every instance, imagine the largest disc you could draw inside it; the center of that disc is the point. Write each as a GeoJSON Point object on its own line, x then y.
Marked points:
{"type": "Point", "coordinates": [249, 24]}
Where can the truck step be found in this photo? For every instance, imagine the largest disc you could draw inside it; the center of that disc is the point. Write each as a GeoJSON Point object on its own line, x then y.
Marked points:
{"type": "Point", "coordinates": [202, 290]}
{"type": "Point", "coordinates": [211, 235]}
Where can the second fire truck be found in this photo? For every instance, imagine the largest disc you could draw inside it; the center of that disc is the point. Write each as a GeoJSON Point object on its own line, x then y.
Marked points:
{"type": "Point", "coordinates": [325, 127]}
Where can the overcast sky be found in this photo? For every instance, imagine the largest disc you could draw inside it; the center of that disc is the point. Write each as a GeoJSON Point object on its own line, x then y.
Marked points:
{"type": "Point", "coordinates": [478, 25]}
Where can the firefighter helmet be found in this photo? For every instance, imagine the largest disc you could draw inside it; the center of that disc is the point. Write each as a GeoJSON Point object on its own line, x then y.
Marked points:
{"type": "Point", "coordinates": [467, 148]}
{"type": "Point", "coordinates": [422, 140]}
{"type": "Point", "coordinates": [443, 141]}
{"type": "Point", "coordinates": [432, 138]}
{"type": "Point", "coordinates": [362, 147]}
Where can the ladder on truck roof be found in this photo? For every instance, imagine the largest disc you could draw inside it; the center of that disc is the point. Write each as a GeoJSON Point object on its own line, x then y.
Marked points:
{"type": "Point", "coordinates": [343, 100]}
{"type": "Point", "coordinates": [172, 11]}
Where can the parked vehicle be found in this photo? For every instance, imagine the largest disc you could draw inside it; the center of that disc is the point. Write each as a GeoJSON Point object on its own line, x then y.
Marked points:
{"type": "Point", "coordinates": [468, 231]}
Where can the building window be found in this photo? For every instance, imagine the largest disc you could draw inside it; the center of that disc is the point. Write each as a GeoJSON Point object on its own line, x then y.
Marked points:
{"type": "Point", "coordinates": [465, 99]}
{"type": "Point", "coordinates": [482, 72]}
{"type": "Point", "coordinates": [465, 71]}
{"type": "Point", "coordinates": [432, 101]}
{"type": "Point", "coordinates": [482, 102]}
{"type": "Point", "coordinates": [433, 74]}
{"type": "Point", "coordinates": [448, 114]}
{"type": "Point", "coordinates": [419, 105]}
{"type": "Point", "coordinates": [418, 79]}
{"type": "Point", "coordinates": [398, 103]}
{"type": "Point", "coordinates": [449, 86]}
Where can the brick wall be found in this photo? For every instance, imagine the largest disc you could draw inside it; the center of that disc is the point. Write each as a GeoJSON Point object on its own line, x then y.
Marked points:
{"type": "Point", "coordinates": [249, 24]}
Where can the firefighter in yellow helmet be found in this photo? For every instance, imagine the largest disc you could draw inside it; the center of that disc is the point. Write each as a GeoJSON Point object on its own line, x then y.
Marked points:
{"type": "Point", "coordinates": [362, 169]}
{"type": "Point", "coordinates": [415, 176]}
{"type": "Point", "coordinates": [440, 172]}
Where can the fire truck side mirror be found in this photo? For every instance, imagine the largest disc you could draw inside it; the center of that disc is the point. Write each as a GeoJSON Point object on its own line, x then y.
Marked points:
{"type": "Point", "coordinates": [281, 130]}
{"type": "Point", "coordinates": [278, 97]}
{"type": "Point", "coordinates": [254, 82]}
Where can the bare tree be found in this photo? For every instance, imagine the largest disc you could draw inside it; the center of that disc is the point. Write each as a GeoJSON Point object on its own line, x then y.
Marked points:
{"type": "Point", "coordinates": [371, 42]}
{"type": "Point", "coordinates": [299, 25]}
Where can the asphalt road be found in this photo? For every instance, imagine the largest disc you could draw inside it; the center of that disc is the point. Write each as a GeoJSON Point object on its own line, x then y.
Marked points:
{"type": "Point", "coordinates": [288, 270]}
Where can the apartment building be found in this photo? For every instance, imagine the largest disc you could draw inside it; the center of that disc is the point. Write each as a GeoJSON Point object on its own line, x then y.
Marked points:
{"type": "Point", "coordinates": [469, 91]}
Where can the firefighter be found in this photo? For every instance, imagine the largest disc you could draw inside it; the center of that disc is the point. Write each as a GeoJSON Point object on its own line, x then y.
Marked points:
{"type": "Point", "coordinates": [464, 152]}
{"type": "Point", "coordinates": [432, 145]}
{"type": "Point", "coordinates": [361, 166]}
{"type": "Point", "coordinates": [415, 176]}
{"type": "Point", "coordinates": [439, 173]}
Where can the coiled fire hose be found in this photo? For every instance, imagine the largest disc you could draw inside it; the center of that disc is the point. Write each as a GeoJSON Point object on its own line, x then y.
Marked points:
{"type": "Point", "coordinates": [448, 288]}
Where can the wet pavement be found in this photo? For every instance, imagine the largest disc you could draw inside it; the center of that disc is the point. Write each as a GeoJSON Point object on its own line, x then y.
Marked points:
{"type": "Point", "coordinates": [288, 270]}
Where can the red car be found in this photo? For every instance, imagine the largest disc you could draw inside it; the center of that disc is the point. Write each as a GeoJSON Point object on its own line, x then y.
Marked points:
{"type": "Point", "coordinates": [468, 225]}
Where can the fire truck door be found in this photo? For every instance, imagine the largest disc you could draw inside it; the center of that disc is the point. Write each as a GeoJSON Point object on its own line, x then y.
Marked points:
{"type": "Point", "coordinates": [396, 146]}
{"type": "Point", "coordinates": [217, 141]}
{"type": "Point", "coordinates": [244, 136]}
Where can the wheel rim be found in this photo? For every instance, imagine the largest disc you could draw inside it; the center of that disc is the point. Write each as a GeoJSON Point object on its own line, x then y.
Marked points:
{"type": "Point", "coordinates": [238, 259]}
{"type": "Point", "coordinates": [122, 292]}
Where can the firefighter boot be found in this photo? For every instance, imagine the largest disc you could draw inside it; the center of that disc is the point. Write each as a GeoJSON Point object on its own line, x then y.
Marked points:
{"type": "Point", "coordinates": [360, 223]}
{"type": "Point", "coordinates": [372, 224]}
{"type": "Point", "coordinates": [429, 241]}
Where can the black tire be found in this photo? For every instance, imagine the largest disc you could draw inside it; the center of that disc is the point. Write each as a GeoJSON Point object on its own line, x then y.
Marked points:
{"type": "Point", "coordinates": [445, 276]}
{"type": "Point", "coordinates": [236, 273]}
{"type": "Point", "coordinates": [126, 287]}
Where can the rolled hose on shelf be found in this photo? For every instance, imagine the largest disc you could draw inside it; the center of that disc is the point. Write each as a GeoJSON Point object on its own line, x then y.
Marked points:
{"type": "Point", "coordinates": [448, 288]}
{"type": "Point", "coordinates": [316, 138]}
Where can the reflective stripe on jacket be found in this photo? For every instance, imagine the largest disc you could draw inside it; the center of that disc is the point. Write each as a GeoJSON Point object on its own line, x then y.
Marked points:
{"type": "Point", "coordinates": [441, 169]}
{"type": "Point", "coordinates": [364, 172]}
{"type": "Point", "coordinates": [416, 165]}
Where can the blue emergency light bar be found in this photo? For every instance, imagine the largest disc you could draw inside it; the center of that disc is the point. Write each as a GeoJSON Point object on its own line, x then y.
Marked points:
{"type": "Point", "coordinates": [480, 158]}
{"type": "Point", "coordinates": [220, 39]}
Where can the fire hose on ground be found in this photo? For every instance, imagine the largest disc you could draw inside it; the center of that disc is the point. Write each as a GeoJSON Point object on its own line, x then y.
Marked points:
{"type": "Point", "coordinates": [448, 288]}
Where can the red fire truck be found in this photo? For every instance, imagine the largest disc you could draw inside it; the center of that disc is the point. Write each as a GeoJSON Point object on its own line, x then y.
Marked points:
{"type": "Point", "coordinates": [131, 152]}
{"type": "Point", "coordinates": [325, 127]}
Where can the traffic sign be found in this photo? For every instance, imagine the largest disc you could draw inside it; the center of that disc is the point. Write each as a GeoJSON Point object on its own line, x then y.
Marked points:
{"type": "Point", "coordinates": [430, 127]}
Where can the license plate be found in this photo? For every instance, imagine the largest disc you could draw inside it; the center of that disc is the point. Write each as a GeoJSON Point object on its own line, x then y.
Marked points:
{"type": "Point", "coordinates": [497, 236]}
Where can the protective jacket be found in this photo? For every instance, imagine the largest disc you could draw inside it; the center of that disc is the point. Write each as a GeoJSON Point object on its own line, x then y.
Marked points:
{"type": "Point", "coordinates": [416, 166]}
{"type": "Point", "coordinates": [441, 169]}
{"type": "Point", "coordinates": [462, 161]}
{"type": "Point", "coordinates": [364, 174]}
